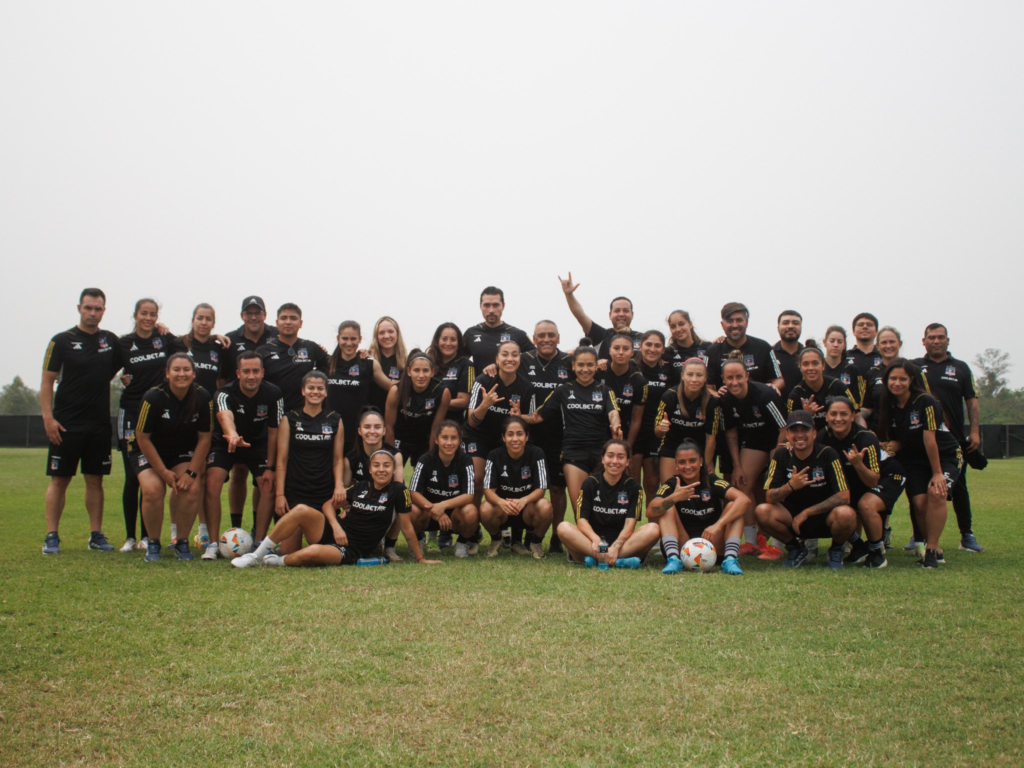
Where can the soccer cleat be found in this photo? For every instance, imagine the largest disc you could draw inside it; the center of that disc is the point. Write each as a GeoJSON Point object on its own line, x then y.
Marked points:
{"type": "Point", "coordinates": [494, 547]}
{"type": "Point", "coordinates": [835, 558]}
{"type": "Point", "coordinates": [875, 559]}
{"type": "Point", "coordinates": [152, 550]}
{"type": "Point", "coordinates": [244, 561]}
{"type": "Point", "coordinates": [519, 549]}
{"type": "Point", "coordinates": [472, 548]}
{"type": "Point", "coordinates": [887, 538]}
{"type": "Point", "coordinates": [632, 563]}
{"type": "Point", "coordinates": [910, 546]}
{"type": "Point", "coordinates": [143, 545]}
{"type": "Point", "coordinates": [181, 547]}
{"type": "Point", "coordinates": [51, 544]}
{"type": "Point", "coordinates": [99, 543]}
{"type": "Point", "coordinates": [444, 540]}
{"type": "Point", "coordinates": [770, 553]}
{"type": "Point", "coordinates": [858, 553]}
{"type": "Point", "coordinates": [210, 553]}
{"type": "Point", "coordinates": [392, 555]}
{"type": "Point", "coordinates": [970, 544]}
{"type": "Point", "coordinates": [796, 556]}
{"type": "Point", "coordinates": [731, 566]}
{"type": "Point", "coordinates": [931, 559]}
{"type": "Point", "coordinates": [589, 562]}
{"type": "Point", "coordinates": [461, 550]}
{"type": "Point", "coordinates": [749, 549]}
{"type": "Point", "coordinates": [537, 550]}
{"type": "Point", "coordinates": [674, 565]}
{"type": "Point", "coordinates": [940, 556]}
{"type": "Point", "coordinates": [129, 545]}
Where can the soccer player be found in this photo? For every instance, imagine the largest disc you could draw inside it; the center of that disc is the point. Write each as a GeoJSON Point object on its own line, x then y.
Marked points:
{"type": "Point", "coordinates": [951, 382]}
{"type": "Point", "coordinates": [370, 431]}
{"type": "Point", "coordinates": [484, 339]}
{"type": "Point", "coordinates": [693, 502]}
{"type": "Point", "coordinates": [287, 359]}
{"type": "Point", "coordinates": [889, 345]}
{"type": "Point", "coordinates": [168, 449]}
{"type": "Point", "coordinates": [608, 513]}
{"type": "Point", "coordinates": [204, 347]}
{"type": "Point", "coordinates": [864, 354]}
{"type": "Point", "coordinates": [685, 343]}
{"type": "Point", "coordinates": [247, 413]}
{"type": "Point", "coordinates": [442, 489]}
{"type": "Point", "coordinates": [547, 368]}
{"type": "Point", "coordinates": [815, 390]}
{"type": "Point", "coordinates": [144, 354]}
{"type": "Point", "coordinates": [515, 482]}
{"type": "Point", "coordinates": [82, 360]}
{"type": "Point", "coordinates": [660, 378]}
{"type": "Point", "coordinates": [807, 495]}
{"type": "Point", "coordinates": [416, 407]}
{"type": "Point", "coordinates": [310, 462]}
{"type": "Point", "coordinates": [756, 354]}
{"type": "Point", "coordinates": [454, 368]}
{"type": "Point", "coordinates": [373, 506]}
{"type": "Point", "coordinates": [387, 347]}
{"type": "Point", "coordinates": [620, 317]}
{"type": "Point", "coordinates": [839, 366]}
{"type": "Point", "coordinates": [630, 388]}
{"type": "Point", "coordinates": [875, 479]}
{"type": "Point", "coordinates": [687, 412]}
{"type": "Point", "coordinates": [351, 378]}
{"type": "Point", "coordinates": [910, 420]}
{"type": "Point", "coordinates": [788, 347]}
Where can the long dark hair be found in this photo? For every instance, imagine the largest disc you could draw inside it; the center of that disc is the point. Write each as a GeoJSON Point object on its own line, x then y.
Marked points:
{"type": "Point", "coordinates": [705, 476]}
{"type": "Point", "coordinates": [686, 315]}
{"type": "Point", "coordinates": [887, 400]}
{"type": "Point", "coordinates": [336, 359]}
{"type": "Point", "coordinates": [405, 389]}
{"type": "Point", "coordinates": [644, 337]}
{"type": "Point", "coordinates": [190, 397]}
{"type": "Point", "coordinates": [434, 351]}
{"type": "Point", "coordinates": [189, 338]}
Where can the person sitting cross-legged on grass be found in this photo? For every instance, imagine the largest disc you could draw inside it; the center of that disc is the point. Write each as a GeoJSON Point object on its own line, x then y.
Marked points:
{"type": "Point", "coordinates": [335, 539]}
{"type": "Point", "coordinates": [609, 507]}
{"type": "Point", "coordinates": [696, 503]}
{"type": "Point", "coordinates": [807, 495]}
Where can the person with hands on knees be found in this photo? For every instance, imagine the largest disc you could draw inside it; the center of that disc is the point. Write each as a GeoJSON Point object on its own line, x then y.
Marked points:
{"type": "Point", "coordinates": [695, 503]}
{"type": "Point", "coordinates": [609, 508]}
{"type": "Point", "coordinates": [807, 495]}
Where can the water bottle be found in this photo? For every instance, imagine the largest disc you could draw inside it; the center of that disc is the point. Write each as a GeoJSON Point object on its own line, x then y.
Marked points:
{"type": "Point", "coordinates": [506, 537]}
{"type": "Point", "coordinates": [602, 547]}
{"type": "Point", "coordinates": [372, 561]}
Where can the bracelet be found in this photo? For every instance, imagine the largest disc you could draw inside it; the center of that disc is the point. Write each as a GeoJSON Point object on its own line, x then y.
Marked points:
{"type": "Point", "coordinates": [791, 486]}
{"type": "Point", "coordinates": [191, 474]}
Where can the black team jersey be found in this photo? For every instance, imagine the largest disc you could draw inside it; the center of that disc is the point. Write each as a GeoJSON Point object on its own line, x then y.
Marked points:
{"type": "Point", "coordinates": [371, 512]}
{"type": "Point", "coordinates": [951, 382]}
{"type": "Point", "coordinates": [704, 508]}
{"type": "Point", "coordinates": [602, 339]}
{"type": "Point", "coordinates": [437, 481]}
{"type": "Point", "coordinates": [546, 376]}
{"type": "Point", "coordinates": [758, 417]}
{"type": "Point", "coordinates": [515, 478]}
{"type": "Point", "coordinates": [875, 459]}
{"type": "Point", "coordinates": [457, 375]}
{"type": "Point", "coordinates": [825, 475]}
{"type": "Point", "coordinates": [378, 396]}
{"type": "Point", "coordinates": [310, 474]}
{"type": "Point", "coordinates": [758, 357]}
{"type": "Point", "coordinates": [416, 416]}
{"type": "Point", "coordinates": [482, 341]}
{"type": "Point", "coordinates": [660, 379]}
{"type": "Point", "coordinates": [359, 460]}
{"type": "Point", "coordinates": [166, 420]}
{"type": "Point", "coordinates": [206, 357]}
{"type": "Point", "coordinates": [84, 363]}
{"type": "Point", "coordinates": [584, 411]}
{"type": "Point", "coordinates": [851, 378]}
{"type": "Point", "coordinates": [829, 389]}
{"type": "Point", "coordinates": [675, 357]}
{"type": "Point", "coordinates": [789, 366]}
{"type": "Point", "coordinates": [145, 360]}
{"type": "Point", "coordinates": [240, 343]}
{"type": "Point", "coordinates": [253, 415]}
{"type": "Point", "coordinates": [921, 414]}
{"type": "Point", "coordinates": [285, 366]}
{"type": "Point", "coordinates": [607, 507]}
{"type": "Point", "coordinates": [520, 390]}
{"type": "Point", "coordinates": [697, 423]}
{"type": "Point", "coordinates": [864, 361]}
{"type": "Point", "coordinates": [348, 391]}
{"type": "Point", "coordinates": [630, 390]}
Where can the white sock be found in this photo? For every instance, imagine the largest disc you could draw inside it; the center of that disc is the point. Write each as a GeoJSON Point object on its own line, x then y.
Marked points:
{"type": "Point", "coordinates": [174, 531]}
{"type": "Point", "coordinates": [750, 534]}
{"type": "Point", "coordinates": [204, 530]}
{"type": "Point", "coordinates": [265, 548]}
{"type": "Point", "coordinates": [274, 559]}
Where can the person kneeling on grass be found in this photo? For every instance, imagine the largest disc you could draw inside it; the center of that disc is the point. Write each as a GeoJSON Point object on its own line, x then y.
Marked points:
{"type": "Point", "coordinates": [807, 495]}
{"type": "Point", "coordinates": [695, 503]}
{"type": "Point", "coordinates": [343, 540]}
{"type": "Point", "coordinates": [610, 505]}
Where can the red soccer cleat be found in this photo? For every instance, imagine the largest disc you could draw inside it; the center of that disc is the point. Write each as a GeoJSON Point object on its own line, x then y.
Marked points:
{"type": "Point", "coordinates": [749, 549]}
{"type": "Point", "coordinates": [771, 553]}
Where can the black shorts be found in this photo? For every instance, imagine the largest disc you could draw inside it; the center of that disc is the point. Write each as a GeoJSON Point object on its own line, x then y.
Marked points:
{"type": "Point", "coordinates": [254, 458]}
{"type": "Point", "coordinates": [556, 474]}
{"type": "Point", "coordinates": [88, 446]}
{"type": "Point", "coordinates": [348, 556]}
{"type": "Point", "coordinates": [694, 525]}
{"type": "Point", "coordinates": [411, 452]}
{"type": "Point", "coordinates": [587, 459]}
{"type": "Point", "coordinates": [310, 501]}
{"type": "Point", "coordinates": [477, 447]}
{"type": "Point", "coordinates": [815, 527]}
{"type": "Point", "coordinates": [919, 475]}
{"type": "Point", "coordinates": [139, 463]}
{"type": "Point", "coordinates": [759, 441]}
{"type": "Point", "coordinates": [725, 465]}
{"type": "Point", "coordinates": [647, 443]}
{"type": "Point", "coordinates": [889, 490]}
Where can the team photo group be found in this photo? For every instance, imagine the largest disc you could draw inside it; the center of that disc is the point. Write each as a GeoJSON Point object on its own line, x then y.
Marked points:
{"type": "Point", "coordinates": [705, 451]}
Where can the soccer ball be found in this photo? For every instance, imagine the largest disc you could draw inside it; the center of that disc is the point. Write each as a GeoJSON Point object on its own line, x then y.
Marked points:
{"type": "Point", "coordinates": [200, 542]}
{"type": "Point", "coordinates": [235, 542]}
{"type": "Point", "coordinates": [698, 555]}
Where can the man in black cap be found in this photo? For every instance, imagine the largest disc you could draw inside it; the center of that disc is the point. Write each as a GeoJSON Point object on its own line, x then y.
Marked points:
{"type": "Point", "coordinates": [807, 495]}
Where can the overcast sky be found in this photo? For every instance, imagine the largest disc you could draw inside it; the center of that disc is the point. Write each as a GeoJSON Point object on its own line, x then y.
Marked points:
{"type": "Point", "coordinates": [363, 159]}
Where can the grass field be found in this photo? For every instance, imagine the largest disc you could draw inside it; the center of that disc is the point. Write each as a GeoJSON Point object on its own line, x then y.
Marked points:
{"type": "Point", "coordinates": [106, 660]}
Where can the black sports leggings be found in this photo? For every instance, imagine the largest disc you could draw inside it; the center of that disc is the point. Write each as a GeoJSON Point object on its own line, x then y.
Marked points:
{"type": "Point", "coordinates": [131, 498]}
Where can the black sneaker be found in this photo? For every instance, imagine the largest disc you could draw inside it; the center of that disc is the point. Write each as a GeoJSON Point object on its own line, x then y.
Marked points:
{"type": "Point", "coordinates": [858, 553]}
{"type": "Point", "coordinates": [184, 553]}
{"type": "Point", "coordinates": [931, 559]}
{"type": "Point", "coordinates": [51, 544]}
{"type": "Point", "coordinates": [98, 542]}
{"type": "Point", "coordinates": [152, 551]}
{"type": "Point", "coordinates": [875, 559]}
{"type": "Point", "coordinates": [796, 557]}
{"type": "Point", "coordinates": [555, 548]}
{"type": "Point", "coordinates": [444, 540]}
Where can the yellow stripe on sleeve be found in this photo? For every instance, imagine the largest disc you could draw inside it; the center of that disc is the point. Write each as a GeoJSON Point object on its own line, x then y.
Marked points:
{"type": "Point", "coordinates": [140, 423]}
{"type": "Point", "coordinates": [49, 354]}
{"type": "Point", "coordinates": [640, 504]}
{"type": "Point", "coordinates": [929, 413]}
{"type": "Point", "coordinates": [837, 470]}
{"type": "Point", "coordinates": [661, 412]}
{"type": "Point", "coordinates": [771, 474]}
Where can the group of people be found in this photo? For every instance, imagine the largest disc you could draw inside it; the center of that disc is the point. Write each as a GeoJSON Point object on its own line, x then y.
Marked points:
{"type": "Point", "coordinates": [736, 440]}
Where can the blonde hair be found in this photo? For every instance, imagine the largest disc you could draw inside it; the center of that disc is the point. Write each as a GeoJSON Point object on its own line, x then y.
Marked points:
{"type": "Point", "coordinates": [400, 354]}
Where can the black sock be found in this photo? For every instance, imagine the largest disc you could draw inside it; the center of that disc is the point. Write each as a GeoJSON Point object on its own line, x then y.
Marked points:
{"type": "Point", "coordinates": [554, 539]}
{"type": "Point", "coordinates": [854, 537]}
{"type": "Point", "coordinates": [875, 546]}
{"type": "Point", "coordinates": [236, 520]}
{"type": "Point", "coordinates": [390, 542]}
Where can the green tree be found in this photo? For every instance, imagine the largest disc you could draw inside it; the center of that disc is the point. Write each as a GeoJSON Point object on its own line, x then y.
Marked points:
{"type": "Point", "coordinates": [992, 365]}
{"type": "Point", "coordinates": [18, 400]}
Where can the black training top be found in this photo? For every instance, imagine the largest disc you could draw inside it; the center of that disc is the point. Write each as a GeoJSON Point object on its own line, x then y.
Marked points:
{"type": "Point", "coordinates": [546, 376]}
{"type": "Point", "coordinates": [371, 512]}
{"type": "Point", "coordinates": [864, 361]}
{"type": "Point", "coordinates": [520, 390]}
{"type": "Point", "coordinates": [515, 478]}
{"type": "Point", "coordinates": [206, 357]}
{"type": "Point", "coordinates": [951, 382]}
{"type": "Point", "coordinates": [437, 481]}
{"type": "Point", "coordinates": [789, 366]}
{"type": "Point", "coordinates": [584, 411]}
{"type": "Point", "coordinates": [607, 507]}
{"type": "Point", "coordinates": [145, 360]}
{"type": "Point", "coordinates": [676, 357]}
{"type": "Point", "coordinates": [876, 459]}
{"type": "Point", "coordinates": [703, 508]}
{"type": "Point", "coordinates": [697, 423]}
{"type": "Point", "coordinates": [457, 375]}
{"type": "Point", "coordinates": [830, 388]}
{"type": "Point", "coordinates": [348, 391]}
{"type": "Point", "coordinates": [310, 472]}
{"type": "Point", "coordinates": [482, 341]}
{"type": "Point", "coordinates": [253, 415]}
{"type": "Point", "coordinates": [758, 357]}
{"type": "Point", "coordinates": [602, 338]}
{"type": "Point", "coordinates": [163, 417]}
{"type": "Point", "coordinates": [85, 364]}
{"type": "Point", "coordinates": [660, 379]}
{"type": "Point", "coordinates": [826, 476]}
{"type": "Point", "coordinates": [240, 343]}
{"type": "Point", "coordinates": [760, 413]}
{"type": "Point", "coordinates": [851, 378]}
{"type": "Point", "coordinates": [416, 415]}
{"type": "Point", "coordinates": [359, 460]}
{"type": "Point", "coordinates": [921, 414]}
{"type": "Point", "coordinates": [285, 366]}
{"type": "Point", "coordinates": [630, 390]}
{"type": "Point", "coordinates": [378, 395]}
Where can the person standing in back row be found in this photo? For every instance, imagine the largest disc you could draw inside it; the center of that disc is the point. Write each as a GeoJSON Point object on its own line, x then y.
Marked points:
{"type": "Point", "coordinates": [758, 357]}
{"type": "Point", "coordinates": [620, 316]}
{"type": "Point", "coordinates": [864, 354]}
{"type": "Point", "coordinates": [483, 339]}
{"type": "Point", "coordinates": [787, 348]}
{"type": "Point", "coordinates": [287, 359]}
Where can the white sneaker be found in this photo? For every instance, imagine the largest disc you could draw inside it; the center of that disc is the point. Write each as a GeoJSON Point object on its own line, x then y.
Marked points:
{"type": "Point", "coordinates": [461, 550]}
{"type": "Point", "coordinates": [391, 555]}
{"type": "Point", "coordinates": [244, 561]}
{"type": "Point", "coordinates": [143, 545]}
{"type": "Point", "coordinates": [537, 550]}
{"type": "Point", "coordinates": [129, 545]}
{"type": "Point", "coordinates": [212, 550]}
{"type": "Point", "coordinates": [473, 548]}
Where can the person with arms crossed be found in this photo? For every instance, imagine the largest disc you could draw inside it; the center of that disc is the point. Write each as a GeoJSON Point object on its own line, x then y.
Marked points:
{"type": "Point", "coordinates": [484, 339]}
{"type": "Point", "coordinates": [620, 318]}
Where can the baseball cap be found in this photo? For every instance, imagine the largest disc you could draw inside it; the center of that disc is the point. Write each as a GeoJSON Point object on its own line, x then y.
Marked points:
{"type": "Point", "coordinates": [250, 301]}
{"type": "Point", "coordinates": [800, 419]}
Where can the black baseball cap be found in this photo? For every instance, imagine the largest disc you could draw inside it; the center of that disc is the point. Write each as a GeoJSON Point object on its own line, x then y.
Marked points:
{"type": "Point", "coordinates": [800, 419]}
{"type": "Point", "coordinates": [251, 301]}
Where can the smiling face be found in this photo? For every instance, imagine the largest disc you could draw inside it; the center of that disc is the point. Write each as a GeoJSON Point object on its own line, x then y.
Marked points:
{"type": "Point", "coordinates": [800, 437]}
{"type": "Point", "coordinates": [254, 319]}
{"type": "Point", "coordinates": [615, 460]}
{"type": "Point", "coordinates": [314, 391]}
{"type": "Point", "coordinates": [651, 350]}
{"type": "Point", "coordinates": [448, 442]}
{"type": "Point", "coordinates": [202, 323]}
{"type": "Point", "coordinates": [349, 340]}
{"type": "Point", "coordinates": [90, 312]}
{"type": "Point", "coordinates": [811, 368]}
{"type": "Point", "coordinates": [146, 317]}
{"type": "Point", "coordinates": [514, 437]}
{"type": "Point", "coordinates": [288, 323]}
{"type": "Point", "coordinates": [585, 367]}
{"type": "Point", "coordinates": [899, 382]}
{"type": "Point", "coordinates": [382, 469]}
{"type": "Point", "coordinates": [695, 379]}
{"type": "Point", "coordinates": [387, 337]}
{"type": "Point", "coordinates": [546, 338]}
{"type": "Point", "coordinates": [889, 345]}
{"type": "Point", "coordinates": [790, 328]}
{"type": "Point", "coordinates": [688, 464]}
{"type": "Point", "coordinates": [181, 373]}
{"type": "Point", "coordinates": [621, 314]}
{"type": "Point", "coordinates": [681, 329]}
{"type": "Point", "coordinates": [448, 344]}
{"type": "Point", "coordinates": [735, 376]}
{"type": "Point", "coordinates": [621, 352]}
{"type": "Point", "coordinates": [250, 374]}
{"type": "Point", "coordinates": [735, 326]}
{"type": "Point", "coordinates": [371, 429]}
{"type": "Point", "coordinates": [419, 373]}
{"type": "Point", "coordinates": [508, 358]}
{"type": "Point", "coordinates": [492, 307]}
{"type": "Point", "coordinates": [840, 418]}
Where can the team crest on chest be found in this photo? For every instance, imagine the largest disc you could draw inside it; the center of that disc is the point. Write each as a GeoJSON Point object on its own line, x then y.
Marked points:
{"type": "Point", "coordinates": [563, 374]}
{"type": "Point", "coordinates": [429, 405]}
{"type": "Point", "coordinates": [756, 411]}
{"type": "Point", "coordinates": [817, 474]}
{"type": "Point", "coordinates": [214, 358]}
{"type": "Point", "coordinates": [845, 378]}
{"type": "Point", "coordinates": [394, 374]}
{"type": "Point", "coordinates": [327, 429]}
{"type": "Point", "coordinates": [505, 337]}
{"type": "Point", "coordinates": [627, 391]}
{"type": "Point", "coordinates": [383, 498]}
{"type": "Point", "coordinates": [698, 414]}
{"type": "Point", "coordinates": [748, 360]}
{"type": "Point", "coordinates": [158, 343]}
{"type": "Point", "coordinates": [301, 354]}
{"type": "Point", "coordinates": [526, 473]}
{"type": "Point", "coordinates": [702, 355]}
{"type": "Point", "coordinates": [915, 418]}
{"type": "Point", "coordinates": [597, 397]}
{"type": "Point", "coordinates": [662, 377]}
{"type": "Point", "coordinates": [623, 497]}
{"type": "Point", "coordinates": [453, 373]}
{"type": "Point", "coordinates": [515, 399]}
{"type": "Point", "coordinates": [453, 481]}
{"type": "Point", "coordinates": [103, 342]}
{"type": "Point", "coordinates": [353, 371]}
{"type": "Point", "coordinates": [262, 411]}
{"type": "Point", "coordinates": [705, 495]}
{"type": "Point", "coordinates": [878, 361]}
{"type": "Point", "coordinates": [951, 370]}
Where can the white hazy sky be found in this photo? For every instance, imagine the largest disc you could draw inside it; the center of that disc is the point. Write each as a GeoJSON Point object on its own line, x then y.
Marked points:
{"type": "Point", "coordinates": [393, 158]}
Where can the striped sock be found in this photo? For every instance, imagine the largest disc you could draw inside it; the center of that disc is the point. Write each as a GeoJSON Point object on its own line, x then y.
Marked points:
{"type": "Point", "coordinates": [671, 546]}
{"type": "Point", "coordinates": [854, 537]}
{"type": "Point", "coordinates": [732, 546]}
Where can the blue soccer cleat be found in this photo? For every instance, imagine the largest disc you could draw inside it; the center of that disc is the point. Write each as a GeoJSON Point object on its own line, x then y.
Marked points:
{"type": "Point", "coordinates": [731, 566]}
{"type": "Point", "coordinates": [674, 565]}
{"type": "Point", "coordinates": [632, 563]}
{"type": "Point", "coordinates": [589, 562]}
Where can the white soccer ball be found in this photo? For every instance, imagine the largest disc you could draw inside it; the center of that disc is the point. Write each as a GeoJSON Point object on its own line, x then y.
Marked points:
{"type": "Point", "coordinates": [235, 542]}
{"type": "Point", "coordinates": [698, 555]}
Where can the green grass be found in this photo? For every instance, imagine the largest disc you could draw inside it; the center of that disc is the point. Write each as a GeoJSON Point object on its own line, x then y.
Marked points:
{"type": "Point", "coordinates": [107, 660]}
